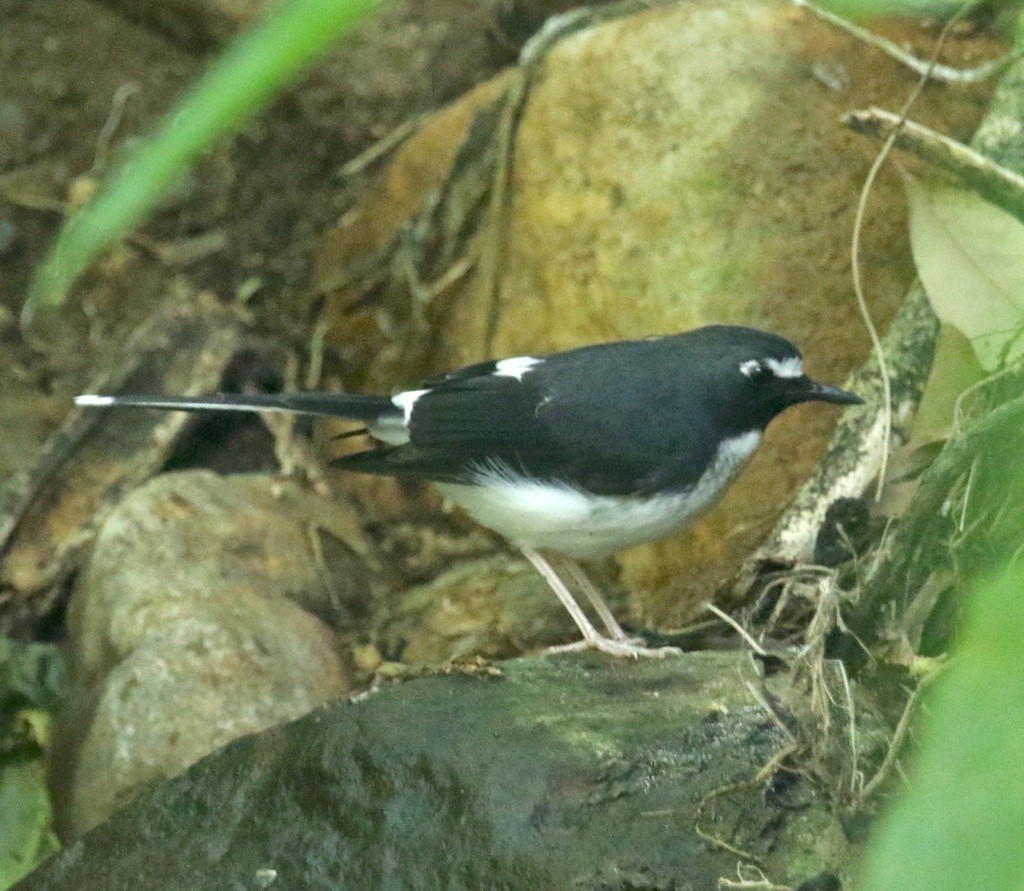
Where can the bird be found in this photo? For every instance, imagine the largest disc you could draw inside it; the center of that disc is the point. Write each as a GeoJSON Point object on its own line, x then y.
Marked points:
{"type": "Point", "coordinates": [575, 455]}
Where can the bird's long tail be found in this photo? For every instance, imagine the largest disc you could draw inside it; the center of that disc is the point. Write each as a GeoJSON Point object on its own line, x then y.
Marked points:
{"type": "Point", "coordinates": [371, 409]}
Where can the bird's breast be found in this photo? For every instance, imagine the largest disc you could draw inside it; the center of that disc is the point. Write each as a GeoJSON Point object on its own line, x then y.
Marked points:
{"type": "Point", "coordinates": [556, 516]}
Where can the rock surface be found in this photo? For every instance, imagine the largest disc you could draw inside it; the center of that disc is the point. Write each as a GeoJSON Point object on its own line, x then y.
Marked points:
{"type": "Point", "coordinates": [493, 607]}
{"type": "Point", "coordinates": [575, 771]}
{"type": "Point", "coordinates": [207, 611]}
{"type": "Point", "coordinates": [674, 167]}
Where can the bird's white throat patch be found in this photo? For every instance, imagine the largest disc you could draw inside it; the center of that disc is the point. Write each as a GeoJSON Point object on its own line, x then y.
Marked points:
{"type": "Point", "coordinates": [545, 514]}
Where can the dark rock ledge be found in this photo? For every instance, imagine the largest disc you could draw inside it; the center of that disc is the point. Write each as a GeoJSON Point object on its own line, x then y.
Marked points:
{"type": "Point", "coordinates": [565, 771]}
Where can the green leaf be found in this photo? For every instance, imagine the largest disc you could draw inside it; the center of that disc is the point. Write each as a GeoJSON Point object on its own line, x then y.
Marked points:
{"type": "Point", "coordinates": [253, 68]}
{"type": "Point", "coordinates": [960, 824]}
{"type": "Point", "coordinates": [25, 836]}
{"type": "Point", "coordinates": [954, 369]}
{"type": "Point", "coordinates": [970, 257]}
{"type": "Point", "coordinates": [31, 674]}
{"type": "Point", "coordinates": [860, 9]}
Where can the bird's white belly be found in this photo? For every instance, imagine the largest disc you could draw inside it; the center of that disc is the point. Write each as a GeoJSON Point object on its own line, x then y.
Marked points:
{"type": "Point", "coordinates": [569, 521]}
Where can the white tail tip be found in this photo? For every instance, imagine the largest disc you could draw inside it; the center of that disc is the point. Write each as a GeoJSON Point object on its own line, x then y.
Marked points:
{"type": "Point", "coordinates": [93, 401]}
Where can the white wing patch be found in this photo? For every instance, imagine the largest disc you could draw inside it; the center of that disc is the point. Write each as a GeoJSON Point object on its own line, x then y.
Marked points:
{"type": "Point", "coordinates": [405, 401]}
{"type": "Point", "coordinates": [515, 367]}
{"type": "Point", "coordinates": [395, 431]}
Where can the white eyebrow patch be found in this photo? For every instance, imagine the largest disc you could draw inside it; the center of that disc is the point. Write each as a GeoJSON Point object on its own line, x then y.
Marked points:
{"type": "Point", "coordinates": [515, 367]}
{"type": "Point", "coordinates": [405, 401]}
{"type": "Point", "coordinates": [790, 367]}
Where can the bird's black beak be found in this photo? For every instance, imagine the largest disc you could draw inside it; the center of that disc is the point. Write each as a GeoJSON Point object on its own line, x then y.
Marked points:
{"type": "Point", "coordinates": [815, 392]}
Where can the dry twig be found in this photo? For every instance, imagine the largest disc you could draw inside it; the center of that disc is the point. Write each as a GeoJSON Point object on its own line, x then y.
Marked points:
{"type": "Point", "coordinates": [998, 184]}
{"type": "Point", "coordinates": [902, 726]}
{"type": "Point", "coordinates": [930, 69]}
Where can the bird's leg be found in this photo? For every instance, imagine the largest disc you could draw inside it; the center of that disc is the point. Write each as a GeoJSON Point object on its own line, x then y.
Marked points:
{"type": "Point", "coordinates": [590, 633]}
{"type": "Point", "coordinates": [591, 637]}
{"type": "Point", "coordinates": [596, 600]}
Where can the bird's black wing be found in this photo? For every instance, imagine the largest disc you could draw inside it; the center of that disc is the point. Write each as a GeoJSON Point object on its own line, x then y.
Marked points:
{"type": "Point", "coordinates": [598, 430]}
{"type": "Point", "coordinates": [464, 424]}
{"type": "Point", "coordinates": [476, 371]}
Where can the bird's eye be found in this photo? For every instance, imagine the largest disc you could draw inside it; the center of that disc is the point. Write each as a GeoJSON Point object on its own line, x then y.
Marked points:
{"type": "Point", "coordinates": [754, 370]}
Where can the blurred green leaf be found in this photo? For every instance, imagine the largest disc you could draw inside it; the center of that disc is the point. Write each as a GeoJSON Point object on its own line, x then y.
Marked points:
{"type": "Point", "coordinates": [954, 369]}
{"type": "Point", "coordinates": [31, 675]}
{"type": "Point", "coordinates": [32, 679]}
{"type": "Point", "coordinates": [970, 257]}
{"type": "Point", "coordinates": [25, 834]}
{"type": "Point", "coordinates": [959, 826]}
{"type": "Point", "coordinates": [253, 68]}
{"type": "Point", "coordinates": [863, 9]}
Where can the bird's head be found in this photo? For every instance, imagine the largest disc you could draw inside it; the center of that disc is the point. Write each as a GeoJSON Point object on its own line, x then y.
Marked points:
{"type": "Point", "coordinates": [758, 375]}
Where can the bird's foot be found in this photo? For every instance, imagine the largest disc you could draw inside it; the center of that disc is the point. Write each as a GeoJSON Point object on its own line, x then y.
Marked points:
{"type": "Point", "coordinates": [630, 647]}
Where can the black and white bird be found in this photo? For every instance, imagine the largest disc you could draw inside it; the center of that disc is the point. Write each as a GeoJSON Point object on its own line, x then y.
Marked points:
{"type": "Point", "coordinates": [581, 453]}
